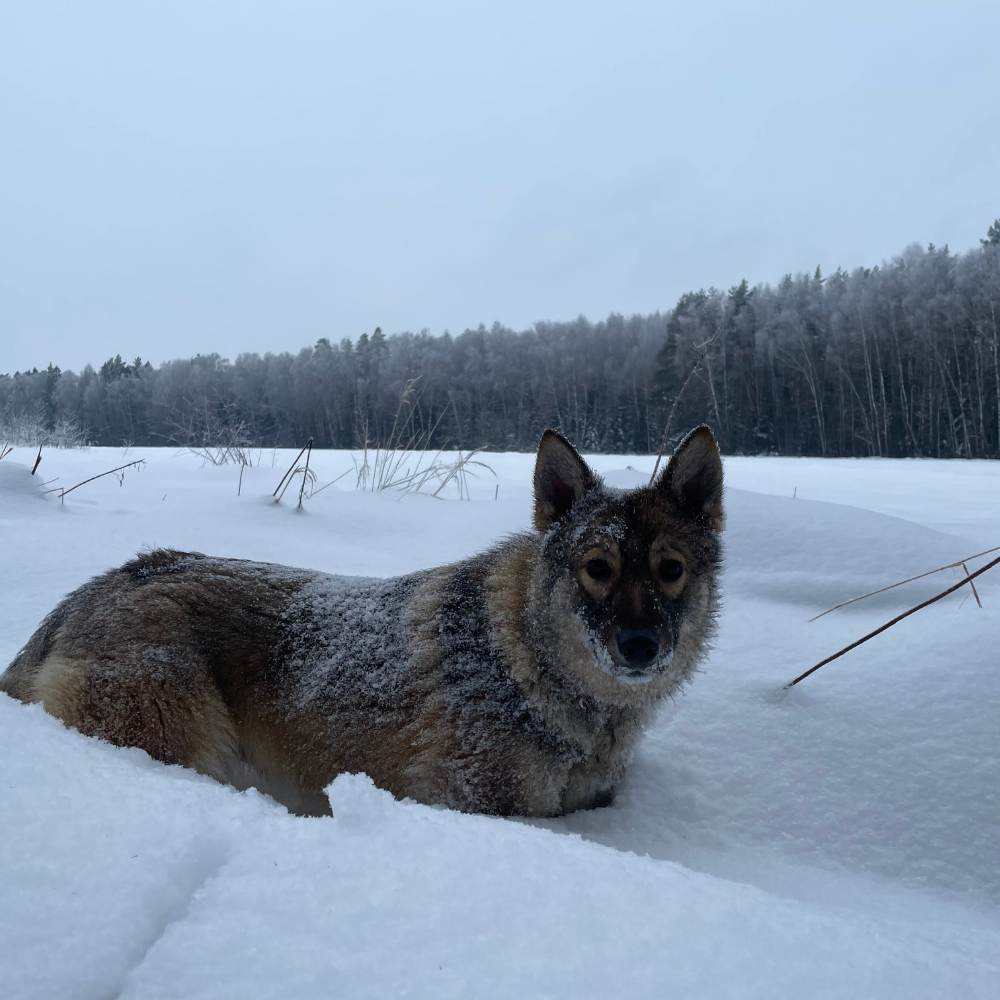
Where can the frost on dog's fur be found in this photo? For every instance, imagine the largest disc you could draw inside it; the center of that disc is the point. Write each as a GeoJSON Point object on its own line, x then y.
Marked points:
{"type": "Point", "coordinates": [514, 682]}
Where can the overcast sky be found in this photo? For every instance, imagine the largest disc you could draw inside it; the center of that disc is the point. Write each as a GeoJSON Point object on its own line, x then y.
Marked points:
{"type": "Point", "coordinates": [193, 177]}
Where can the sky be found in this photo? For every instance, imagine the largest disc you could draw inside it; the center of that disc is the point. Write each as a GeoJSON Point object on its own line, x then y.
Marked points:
{"type": "Point", "coordinates": [225, 177]}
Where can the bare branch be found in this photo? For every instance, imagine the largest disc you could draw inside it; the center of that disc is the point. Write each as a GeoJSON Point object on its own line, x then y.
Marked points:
{"type": "Point", "coordinates": [121, 468]}
{"type": "Point", "coordinates": [919, 576]}
{"type": "Point", "coordinates": [898, 618]}
{"type": "Point", "coordinates": [695, 368]}
{"type": "Point", "coordinates": [291, 471]}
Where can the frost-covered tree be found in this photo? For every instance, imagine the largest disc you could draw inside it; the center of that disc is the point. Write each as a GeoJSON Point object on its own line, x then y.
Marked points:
{"type": "Point", "coordinates": [897, 359]}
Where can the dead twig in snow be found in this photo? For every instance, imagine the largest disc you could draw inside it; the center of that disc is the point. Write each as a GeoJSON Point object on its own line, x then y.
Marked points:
{"type": "Point", "coordinates": [898, 618]}
{"type": "Point", "coordinates": [975, 593]}
{"type": "Point", "coordinates": [308, 476]}
{"type": "Point", "coordinates": [305, 473]}
{"type": "Point", "coordinates": [695, 368]}
{"type": "Point", "coordinates": [291, 472]}
{"type": "Point", "coordinates": [332, 481]}
{"type": "Point", "coordinates": [121, 479]}
{"type": "Point", "coordinates": [919, 576]}
{"type": "Point", "coordinates": [37, 460]}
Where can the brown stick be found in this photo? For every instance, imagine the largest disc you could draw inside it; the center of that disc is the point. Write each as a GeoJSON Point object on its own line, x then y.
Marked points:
{"type": "Point", "coordinates": [975, 593]}
{"type": "Point", "coordinates": [919, 576]}
{"type": "Point", "coordinates": [37, 460]}
{"type": "Point", "coordinates": [898, 618]}
{"type": "Point", "coordinates": [291, 468]}
{"type": "Point", "coordinates": [305, 474]}
{"type": "Point", "coordinates": [670, 416]}
{"type": "Point", "coordinates": [128, 465]}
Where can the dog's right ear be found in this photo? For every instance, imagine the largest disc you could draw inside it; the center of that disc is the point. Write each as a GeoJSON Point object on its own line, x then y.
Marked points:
{"type": "Point", "coordinates": [561, 478]}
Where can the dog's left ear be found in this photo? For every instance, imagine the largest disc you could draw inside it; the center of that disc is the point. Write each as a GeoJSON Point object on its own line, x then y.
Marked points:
{"type": "Point", "coordinates": [561, 478]}
{"type": "Point", "coordinates": [693, 478]}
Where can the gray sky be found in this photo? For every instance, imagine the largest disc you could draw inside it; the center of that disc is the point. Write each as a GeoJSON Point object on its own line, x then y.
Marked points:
{"type": "Point", "coordinates": [194, 177]}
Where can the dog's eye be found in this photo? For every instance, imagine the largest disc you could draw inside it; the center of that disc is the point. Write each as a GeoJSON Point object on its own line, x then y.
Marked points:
{"type": "Point", "coordinates": [670, 570]}
{"type": "Point", "coordinates": [599, 570]}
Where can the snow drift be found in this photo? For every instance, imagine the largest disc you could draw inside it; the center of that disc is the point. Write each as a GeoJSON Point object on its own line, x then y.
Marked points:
{"type": "Point", "coordinates": [836, 840]}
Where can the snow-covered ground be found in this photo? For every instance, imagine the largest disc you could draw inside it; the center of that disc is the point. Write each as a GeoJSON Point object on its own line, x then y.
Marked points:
{"type": "Point", "coordinates": [838, 840]}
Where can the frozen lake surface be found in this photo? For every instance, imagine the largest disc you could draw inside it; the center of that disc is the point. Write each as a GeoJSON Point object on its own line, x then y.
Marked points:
{"type": "Point", "coordinates": [836, 840]}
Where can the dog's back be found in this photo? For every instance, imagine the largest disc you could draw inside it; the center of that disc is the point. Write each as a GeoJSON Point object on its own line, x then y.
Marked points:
{"type": "Point", "coordinates": [211, 663]}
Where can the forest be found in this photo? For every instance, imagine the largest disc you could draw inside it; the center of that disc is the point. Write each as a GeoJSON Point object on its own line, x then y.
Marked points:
{"type": "Point", "coordinates": [897, 360]}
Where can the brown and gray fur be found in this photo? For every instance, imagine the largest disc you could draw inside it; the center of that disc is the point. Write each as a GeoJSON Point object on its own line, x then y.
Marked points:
{"type": "Point", "coordinates": [517, 682]}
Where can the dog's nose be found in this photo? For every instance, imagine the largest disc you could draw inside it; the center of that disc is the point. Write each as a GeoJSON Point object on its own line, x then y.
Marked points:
{"type": "Point", "coordinates": [638, 646]}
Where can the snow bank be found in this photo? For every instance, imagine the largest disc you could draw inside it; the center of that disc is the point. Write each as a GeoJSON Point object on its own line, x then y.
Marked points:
{"type": "Point", "coordinates": [835, 840]}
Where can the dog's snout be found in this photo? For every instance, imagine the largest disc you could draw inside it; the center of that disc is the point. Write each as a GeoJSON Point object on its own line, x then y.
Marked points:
{"type": "Point", "coordinates": [638, 646]}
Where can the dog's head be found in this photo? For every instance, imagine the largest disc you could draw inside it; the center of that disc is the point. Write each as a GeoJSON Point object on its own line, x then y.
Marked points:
{"type": "Point", "coordinates": [633, 569]}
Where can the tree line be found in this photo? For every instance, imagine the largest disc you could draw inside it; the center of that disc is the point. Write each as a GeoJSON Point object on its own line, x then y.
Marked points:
{"type": "Point", "coordinates": [896, 360]}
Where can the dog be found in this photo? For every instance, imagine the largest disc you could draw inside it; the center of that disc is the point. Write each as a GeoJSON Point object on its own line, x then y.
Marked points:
{"type": "Point", "coordinates": [516, 682]}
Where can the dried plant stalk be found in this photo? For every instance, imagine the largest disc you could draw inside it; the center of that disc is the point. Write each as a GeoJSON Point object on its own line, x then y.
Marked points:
{"type": "Point", "coordinates": [121, 468]}
{"type": "Point", "coordinates": [305, 472]}
{"type": "Point", "coordinates": [291, 471]}
{"type": "Point", "coordinates": [898, 618]}
{"type": "Point", "coordinates": [975, 593]}
{"type": "Point", "coordinates": [695, 368]}
{"type": "Point", "coordinates": [919, 576]}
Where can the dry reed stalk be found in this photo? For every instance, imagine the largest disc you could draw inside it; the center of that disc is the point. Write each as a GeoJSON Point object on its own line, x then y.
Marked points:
{"type": "Point", "coordinates": [291, 471]}
{"type": "Point", "coordinates": [975, 593]}
{"type": "Point", "coordinates": [332, 481]}
{"type": "Point", "coordinates": [121, 468]}
{"type": "Point", "coordinates": [919, 576]}
{"type": "Point", "coordinates": [898, 618]}
{"type": "Point", "coordinates": [695, 368]}
{"type": "Point", "coordinates": [305, 473]}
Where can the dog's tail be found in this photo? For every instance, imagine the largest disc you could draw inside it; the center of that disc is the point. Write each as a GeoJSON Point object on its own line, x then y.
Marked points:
{"type": "Point", "coordinates": [18, 680]}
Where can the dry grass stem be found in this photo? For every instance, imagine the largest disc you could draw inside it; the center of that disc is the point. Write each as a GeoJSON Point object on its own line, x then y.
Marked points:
{"type": "Point", "coordinates": [919, 576]}
{"type": "Point", "coordinates": [898, 618]}
{"type": "Point", "coordinates": [215, 430]}
{"type": "Point", "coordinates": [404, 461]}
{"type": "Point", "coordinates": [308, 476]}
{"type": "Point", "coordinates": [292, 469]}
{"type": "Point", "coordinates": [975, 593]}
{"type": "Point", "coordinates": [332, 481]}
{"type": "Point", "coordinates": [121, 478]}
{"type": "Point", "coordinates": [306, 473]}
{"type": "Point", "coordinates": [695, 368]}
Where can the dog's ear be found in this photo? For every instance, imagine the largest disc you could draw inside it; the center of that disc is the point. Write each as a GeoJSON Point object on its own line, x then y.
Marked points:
{"type": "Point", "coordinates": [693, 478]}
{"type": "Point", "coordinates": [561, 478]}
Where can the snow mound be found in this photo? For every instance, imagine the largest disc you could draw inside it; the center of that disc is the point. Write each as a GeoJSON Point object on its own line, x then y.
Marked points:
{"type": "Point", "coordinates": [147, 881]}
{"type": "Point", "coordinates": [835, 840]}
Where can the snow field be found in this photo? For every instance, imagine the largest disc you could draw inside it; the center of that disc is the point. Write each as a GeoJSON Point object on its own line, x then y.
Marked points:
{"type": "Point", "coordinates": [836, 840]}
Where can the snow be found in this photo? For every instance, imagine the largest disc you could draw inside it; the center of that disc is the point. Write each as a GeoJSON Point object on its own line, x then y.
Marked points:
{"type": "Point", "coordinates": [835, 840]}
